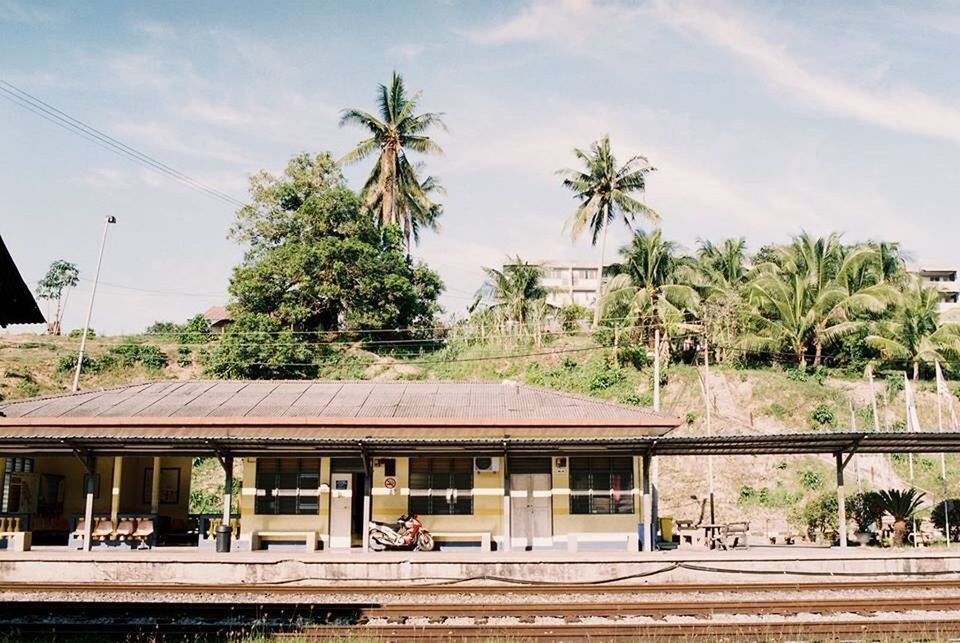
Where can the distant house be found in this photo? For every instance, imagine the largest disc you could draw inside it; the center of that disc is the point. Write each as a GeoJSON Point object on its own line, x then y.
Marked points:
{"type": "Point", "coordinates": [569, 282]}
{"type": "Point", "coordinates": [947, 284]}
{"type": "Point", "coordinates": [17, 305]}
{"type": "Point", "coordinates": [219, 318]}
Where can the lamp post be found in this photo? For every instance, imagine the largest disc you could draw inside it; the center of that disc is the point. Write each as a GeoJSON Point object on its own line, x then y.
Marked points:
{"type": "Point", "coordinates": [93, 293]}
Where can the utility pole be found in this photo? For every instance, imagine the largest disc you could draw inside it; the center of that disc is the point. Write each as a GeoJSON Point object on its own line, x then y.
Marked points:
{"type": "Point", "coordinates": [93, 293]}
{"type": "Point", "coordinates": [655, 461]}
{"type": "Point", "coordinates": [856, 458]}
{"type": "Point", "coordinates": [706, 387]}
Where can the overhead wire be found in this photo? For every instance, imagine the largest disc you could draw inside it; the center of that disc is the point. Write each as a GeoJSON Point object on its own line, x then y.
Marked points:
{"type": "Point", "coordinates": [58, 117]}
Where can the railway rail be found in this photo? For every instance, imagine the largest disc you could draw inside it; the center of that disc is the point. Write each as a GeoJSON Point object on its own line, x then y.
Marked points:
{"type": "Point", "coordinates": [306, 587]}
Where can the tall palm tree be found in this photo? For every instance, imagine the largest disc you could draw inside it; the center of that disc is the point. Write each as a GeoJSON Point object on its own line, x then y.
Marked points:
{"type": "Point", "coordinates": [722, 269]}
{"type": "Point", "coordinates": [605, 191]}
{"type": "Point", "coordinates": [653, 282]}
{"type": "Point", "coordinates": [516, 287]}
{"type": "Point", "coordinates": [392, 189]}
{"type": "Point", "coordinates": [915, 333]}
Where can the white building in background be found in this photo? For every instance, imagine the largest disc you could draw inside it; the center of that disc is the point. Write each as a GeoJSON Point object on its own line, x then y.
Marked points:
{"type": "Point", "coordinates": [945, 280]}
{"type": "Point", "coordinates": [569, 282]}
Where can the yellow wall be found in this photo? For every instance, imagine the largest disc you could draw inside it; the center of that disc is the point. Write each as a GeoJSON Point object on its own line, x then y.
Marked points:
{"type": "Point", "coordinates": [390, 504]}
{"type": "Point", "coordinates": [564, 522]}
{"type": "Point", "coordinates": [131, 486]}
{"type": "Point", "coordinates": [251, 521]}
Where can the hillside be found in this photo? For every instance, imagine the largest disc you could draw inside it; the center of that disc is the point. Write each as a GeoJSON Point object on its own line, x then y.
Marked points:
{"type": "Point", "coordinates": [743, 400]}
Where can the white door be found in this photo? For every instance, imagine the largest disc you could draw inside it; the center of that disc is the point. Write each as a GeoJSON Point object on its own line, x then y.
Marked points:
{"type": "Point", "coordinates": [341, 508]}
{"type": "Point", "coordinates": [531, 511]}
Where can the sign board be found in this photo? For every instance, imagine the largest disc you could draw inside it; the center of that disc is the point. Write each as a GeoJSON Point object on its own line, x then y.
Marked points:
{"type": "Point", "coordinates": [390, 483]}
{"type": "Point", "coordinates": [342, 485]}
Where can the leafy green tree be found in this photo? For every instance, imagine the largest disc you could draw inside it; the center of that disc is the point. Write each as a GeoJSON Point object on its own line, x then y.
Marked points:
{"type": "Point", "coordinates": [257, 346]}
{"type": "Point", "coordinates": [804, 296]}
{"type": "Point", "coordinates": [516, 288]}
{"type": "Point", "coordinates": [915, 332]}
{"type": "Point", "coordinates": [723, 271]}
{"type": "Point", "coordinates": [316, 260]}
{"type": "Point", "coordinates": [55, 286]}
{"type": "Point", "coordinates": [653, 283]}
{"type": "Point", "coordinates": [605, 191]}
{"type": "Point", "coordinates": [393, 189]}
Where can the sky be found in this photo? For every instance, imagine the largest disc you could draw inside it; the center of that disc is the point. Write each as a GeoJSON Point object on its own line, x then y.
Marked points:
{"type": "Point", "coordinates": [762, 119]}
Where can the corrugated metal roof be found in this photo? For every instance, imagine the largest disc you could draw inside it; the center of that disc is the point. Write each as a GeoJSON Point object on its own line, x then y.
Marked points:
{"type": "Point", "coordinates": [376, 402]}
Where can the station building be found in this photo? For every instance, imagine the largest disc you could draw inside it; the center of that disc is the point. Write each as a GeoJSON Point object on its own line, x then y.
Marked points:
{"type": "Point", "coordinates": [502, 465]}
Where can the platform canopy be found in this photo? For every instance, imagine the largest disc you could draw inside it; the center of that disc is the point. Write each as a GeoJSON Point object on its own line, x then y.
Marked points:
{"type": "Point", "coordinates": [254, 417]}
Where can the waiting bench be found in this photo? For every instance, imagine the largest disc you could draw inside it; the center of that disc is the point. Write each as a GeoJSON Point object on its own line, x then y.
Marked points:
{"type": "Point", "coordinates": [630, 539]}
{"type": "Point", "coordinates": [309, 538]}
{"type": "Point", "coordinates": [457, 536]}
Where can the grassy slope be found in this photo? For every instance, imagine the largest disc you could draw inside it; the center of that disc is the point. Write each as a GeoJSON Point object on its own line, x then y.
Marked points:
{"type": "Point", "coordinates": [744, 401]}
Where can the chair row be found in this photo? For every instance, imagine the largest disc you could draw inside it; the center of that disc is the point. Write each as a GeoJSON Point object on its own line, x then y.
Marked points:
{"type": "Point", "coordinates": [124, 530]}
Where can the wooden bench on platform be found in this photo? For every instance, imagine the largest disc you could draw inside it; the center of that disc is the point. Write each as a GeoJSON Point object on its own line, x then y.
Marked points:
{"type": "Point", "coordinates": [457, 536]}
{"type": "Point", "coordinates": [309, 538]}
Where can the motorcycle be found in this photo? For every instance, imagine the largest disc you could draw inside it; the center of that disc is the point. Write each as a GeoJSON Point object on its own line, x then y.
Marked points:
{"type": "Point", "coordinates": [407, 533]}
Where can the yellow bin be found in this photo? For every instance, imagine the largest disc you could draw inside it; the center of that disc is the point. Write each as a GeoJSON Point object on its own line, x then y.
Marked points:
{"type": "Point", "coordinates": [666, 529]}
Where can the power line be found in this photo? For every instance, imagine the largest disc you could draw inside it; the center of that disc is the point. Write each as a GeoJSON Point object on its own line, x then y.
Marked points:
{"type": "Point", "coordinates": [60, 118]}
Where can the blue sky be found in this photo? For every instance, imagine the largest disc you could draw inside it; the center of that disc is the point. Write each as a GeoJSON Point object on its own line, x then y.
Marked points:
{"type": "Point", "coordinates": [762, 119]}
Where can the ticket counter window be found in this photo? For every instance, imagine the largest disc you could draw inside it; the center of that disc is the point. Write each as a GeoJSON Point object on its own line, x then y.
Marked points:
{"type": "Point", "coordinates": [601, 485]}
{"type": "Point", "coordinates": [441, 486]}
{"type": "Point", "coordinates": [288, 486]}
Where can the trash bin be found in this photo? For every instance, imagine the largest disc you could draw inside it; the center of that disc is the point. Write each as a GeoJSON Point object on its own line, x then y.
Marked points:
{"type": "Point", "coordinates": [640, 536]}
{"type": "Point", "coordinates": [666, 529]}
{"type": "Point", "coordinates": [223, 538]}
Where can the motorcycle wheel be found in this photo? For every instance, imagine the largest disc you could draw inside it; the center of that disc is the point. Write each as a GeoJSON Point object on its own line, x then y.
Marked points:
{"type": "Point", "coordinates": [424, 541]}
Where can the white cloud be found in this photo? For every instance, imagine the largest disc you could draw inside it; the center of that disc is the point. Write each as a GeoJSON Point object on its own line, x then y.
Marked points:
{"type": "Point", "coordinates": [567, 22]}
{"type": "Point", "coordinates": [900, 109]}
{"type": "Point", "coordinates": [407, 50]}
{"type": "Point", "coordinates": [19, 13]}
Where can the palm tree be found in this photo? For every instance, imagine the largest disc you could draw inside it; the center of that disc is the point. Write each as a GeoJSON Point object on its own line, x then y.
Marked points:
{"type": "Point", "coordinates": [901, 505]}
{"type": "Point", "coordinates": [806, 296]}
{"type": "Point", "coordinates": [392, 189]}
{"type": "Point", "coordinates": [605, 191]}
{"type": "Point", "coordinates": [515, 289]}
{"type": "Point", "coordinates": [723, 270]}
{"type": "Point", "coordinates": [916, 333]}
{"type": "Point", "coordinates": [653, 283]}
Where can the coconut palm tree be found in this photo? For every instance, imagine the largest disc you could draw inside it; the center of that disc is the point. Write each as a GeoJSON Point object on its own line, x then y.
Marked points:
{"type": "Point", "coordinates": [901, 505]}
{"type": "Point", "coordinates": [392, 189]}
{"type": "Point", "coordinates": [723, 271]}
{"type": "Point", "coordinates": [516, 287]}
{"type": "Point", "coordinates": [605, 191]}
{"type": "Point", "coordinates": [915, 333]}
{"type": "Point", "coordinates": [653, 283]}
{"type": "Point", "coordinates": [806, 296]}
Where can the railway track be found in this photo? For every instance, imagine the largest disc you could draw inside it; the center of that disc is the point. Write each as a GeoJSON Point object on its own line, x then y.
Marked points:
{"type": "Point", "coordinates": [899, 584]}
{"type": "Point", "coordinates": [801, 630]}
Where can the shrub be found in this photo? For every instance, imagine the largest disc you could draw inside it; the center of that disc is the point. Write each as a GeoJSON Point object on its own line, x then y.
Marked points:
{"type": "Point", "coordinates": [811, 480]}
{"type": "Point", "coordinates": [183, 356]}
{"type": "Point", "coordinates": [68, 363]}
{"type": "Point", "coordinates": [77, 333]}
{"type": "Point", "coordinates": [152, 357]}
{"type": "Point", "coordinates": [633, 354]}
{"type": "Point", "coordinates": [823, 415]}
{"type": "Point", "coordinates": [605, 377]}
{"type": "Point", "coordinates": [939, 511]}
{"type": "Point", "coordinates": [894, 384]}
{"type": "Point", "coordinates": [636, 399]}
{"type": "Point", "coordinates": [819, 515]}
{"type": "Point", "coordinates": [777, 411]}
{"type": "Point", "coordinates": [28, 388]}
{"type": "Point", "coordinates": [570, 317]}
{"type": "Point", "coordinates": [690, 417]}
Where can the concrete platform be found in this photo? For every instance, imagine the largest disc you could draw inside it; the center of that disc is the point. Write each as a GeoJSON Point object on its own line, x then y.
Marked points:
{"type": "Point", "coordinates": [186, 566]}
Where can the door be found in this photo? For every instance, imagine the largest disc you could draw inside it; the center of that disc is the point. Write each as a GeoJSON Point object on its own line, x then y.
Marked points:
{"type": "Point", "coordinates": [341, 510]}
{"type": "Point", "coordinates": [531, 511]}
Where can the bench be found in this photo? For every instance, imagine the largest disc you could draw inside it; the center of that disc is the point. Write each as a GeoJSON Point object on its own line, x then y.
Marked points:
{"type": "Point", "coordinates": [456, 536]}
{"type": "Point", "coordinates": [631, 539]}
{"type": "Point", "coordinates": [308, 537]}
{"type": "Point", "coordinates": [17, 540]}
{"type": "Point", "coordinates": [780, 530]}
{"type": "Point", "coordinates": [736, 535]}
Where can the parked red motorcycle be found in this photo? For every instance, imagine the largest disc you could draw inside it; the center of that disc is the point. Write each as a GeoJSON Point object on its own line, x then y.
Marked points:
{"type": "Point", "coordinates": [407, 533]}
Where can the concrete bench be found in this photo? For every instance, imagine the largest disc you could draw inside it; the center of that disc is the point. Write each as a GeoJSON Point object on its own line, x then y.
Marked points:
{"type": "Point", "coordinates": [456, 536]}
{"type": "Point", "coordinates": [17, 540]}
{"type": "Point", "coordinates": [308, 537]}
{"type": "Point", "coordinates": [631, 540]}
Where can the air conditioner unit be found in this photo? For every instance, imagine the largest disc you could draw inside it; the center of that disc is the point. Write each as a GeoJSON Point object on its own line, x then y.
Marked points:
{"type": "Point", "coordinates": [486, 465]}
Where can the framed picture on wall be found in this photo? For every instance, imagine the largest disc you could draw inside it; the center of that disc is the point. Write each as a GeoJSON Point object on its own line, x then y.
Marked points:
{"type": "Point", "coordinates": [169, 485]}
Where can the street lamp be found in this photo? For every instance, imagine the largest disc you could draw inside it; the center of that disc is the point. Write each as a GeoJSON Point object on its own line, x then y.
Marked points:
{"type": "Point", "coordinates": [93, 293]}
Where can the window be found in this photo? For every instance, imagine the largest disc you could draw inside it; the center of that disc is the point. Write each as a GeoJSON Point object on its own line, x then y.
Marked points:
{"type": "Point", "coordinates": [441, 486]}
{"type": "Point", "coordinates": [601, 485]}
{"type": "Point", "coordinates": [288, 486]}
